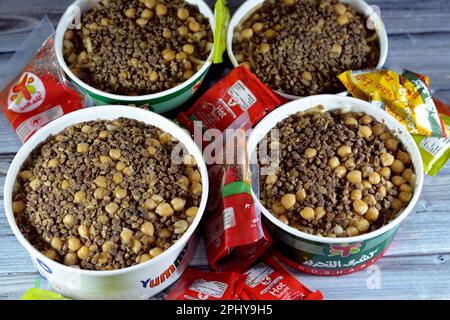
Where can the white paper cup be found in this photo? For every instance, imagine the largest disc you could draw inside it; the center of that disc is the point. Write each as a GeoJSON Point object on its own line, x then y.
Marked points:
{"type": "Point", "coordinates": [334, 256]}
{"type": "Point", "coordinates": [250, 6]}
{"type": "Point", "coordinates": [136, 282]}
{"type": "Point", "coordinates": [158, 102]}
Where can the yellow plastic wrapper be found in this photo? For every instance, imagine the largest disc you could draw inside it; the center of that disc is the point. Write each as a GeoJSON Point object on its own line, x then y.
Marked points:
{"type": "Point", "coordinates": [406, 97]}
{"type": "Point", "coordinates": [40, 294]}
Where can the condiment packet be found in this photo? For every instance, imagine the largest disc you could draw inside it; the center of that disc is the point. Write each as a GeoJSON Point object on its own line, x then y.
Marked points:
{"type": "Point", "coordinates": [204, 285]}
{"type": "Point", "coordinates": [269, 280]}
{"type": "Point", "coordinates": [233, 232]}
{"type": "Point", "coordinates": [406, 97]}
{"type": "Point", "coordinates": [221, 105]}
{"type": "Point", "coordinates": [435, 152]}
{"type": "Point", "coordinates": [40, 294]}
{"type": "Point", "coordinates": [38, 92]}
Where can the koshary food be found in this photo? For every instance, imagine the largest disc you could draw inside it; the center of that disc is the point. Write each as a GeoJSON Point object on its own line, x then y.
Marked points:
{"type": "Point", "coordinates": [299, 47]}
{"type": "Point", "coordinates": [135, 47]}
{"type": "Point", "coordinates": [105, 195]}
{"type": "Point", "coordinates": [338, 174]}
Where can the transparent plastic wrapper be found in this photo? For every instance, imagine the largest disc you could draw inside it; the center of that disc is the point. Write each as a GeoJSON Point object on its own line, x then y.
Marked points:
{"type": "Point", "coordinates": [406, 97]}
{"type": "Point", "coordinates": [435, 152]}
{"type": "Point", "coordinates": [33, 89]}
{"type": "Point", "coordinates": [234, 234]}
{"type": "Point", "coordinates": [204, 285]}
{"type": "Point", "coordinates": [269, 280]}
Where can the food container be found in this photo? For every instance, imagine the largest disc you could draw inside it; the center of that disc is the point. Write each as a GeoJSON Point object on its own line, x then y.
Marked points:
{"type": "Point", "coordinates": [250, 6]}
{"type": "Point", "coordinates": [136, 282]}
{"type": "Point", "coordinates": [334, 256]}
{"type": "Point", "coordinates": [158, 102]}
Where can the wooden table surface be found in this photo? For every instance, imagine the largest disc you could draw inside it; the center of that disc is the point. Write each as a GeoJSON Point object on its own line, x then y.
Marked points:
{"type": "Point", "coordinates": [417, 266]}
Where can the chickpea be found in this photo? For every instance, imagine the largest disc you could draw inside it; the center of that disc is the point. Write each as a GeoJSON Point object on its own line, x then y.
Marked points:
{"type": "Point", "coordinates": [112, 208]}
{"type": "Point", "coordinates": [53, 163]}
{"type": "Point", "coordinates": [264, 48]}
{"type": "Point", "coordinates": [56, 243]}
{"type": "Point", "coordinates": [188, 48]}
{"type": "Point", "coordinates": [145, 257]}
{"type": "Point", "coordinates": [372, 214]}
{"type": "Point", "coordinates": [125, 235]}
{"type": "Point", "coordinates": [82, 147]}
{"type": "Point", "coordinates": [130, 12]}
{"type": "Point", "coordinates": [336, 49]}
{"type": "Point", "coordinates": [101, 181]}
{"type": "Point", "coordinates": [374, 178]}
{"type": "Point", "coordinates": [344, 151]}
{"type": "Point", "coordinates": [356, 195]}
{"type": "Point", "coordinates": [120, 193]}
{"type": "Point", "coordinates": [391, 144]}
{"type": "Point", "coordinates": [397, 204]}
{"type": "Point", "coordinates": [189, 161]}
{"type": "Point", "coordinates": [150, 3]}
{"type": "Point", "coordinates": [128, 171]}
{"type": "Point", "coordinates": [300, 195]}
{"type": "Point", "coordinates": [269, 33]}
{"type": "Point", "coordinates": [196, 188]}
{"type": "Point", "coordinates": [319, 212]}
{"type": "Point", "coordinates": [247, 33]}
{"type": "Point", "coordinates": [397, 180]}
{"type": "Point", "coordinates": [79, 197]}
{"type": "Point", "coordinates": [354, 176]}
{"type": "Point", "coordinates": [155, 252]}
{"type": "Point", "coordinates": [387, 159]}
{"type": "Point", "coordinates": [65, 184]}
{"type": "Point", "coordinates": [385, 136]}
{"type": "Point", "coordinates": [365, 119]}
{"type": "Point", "coordinates": [182, 13]}
{"type": "Point", "coordinates": [278, 209]}
{"type": "Point", "coordinates": [136, 246]}
{"type": "Point", "coordinates": [257, 27]}
{"type": "Point", "coordinates": [405, 197]}
{"type": "Point", "coordinates": [51, 254]}
{"type": "Point", "coordinates": [83, 231]}
{"type": "Point", "coordinates": [117, 178]}
{"type": "Point", "coordinates": [352, 231]}
{"type": "Point", "coordinates": [370, 199]}
{"type": "Point", "coordinates": [360, 207]}
{"type": "Point", "coordinates": [366, 184]}
{"type": "Point", "coordinates": [333, 163]}
{"type": "Point", "coordinates": [83, 253]}
{"type": "Point", "coordinates": [107, 246]}
{"type": "Point", "coordinates": [182, 31]}
{"type": "Point", "coordinates": [271, 179]}
{"type": "Point", "coordinates": [378, 129]}
{"type": "Point", "coordinates": [289, 2]}
{"type": "Point", "coordinates": [385, 172]}
{"type": "Point", "coordinates": [310, 153]}
{"type": "Point", "coordinates": [195, 177]}
{"type": "Point", "coordinates": [103, 135]}
{"type": "Point", "coordinates": [148, 229]}
{"type": "Point", "coordinates": [362, 225]}
{"type": "Point", "coordinates": [342, 20]}
{"type": "Point", "coordinates": [382, 191]}
{"type": "Point", "coordinates": [168, 55]}
{"type": "Point", "coordinates": [407, 174]}
{"type": "Point", "coordinates": [192, 212]}
{"type": "Point", "coordinates": [74, 244]}
{"type": "Point", "coordinates": [102, 258]}
{"type": "Point", "coordinates": [338, 230]}
{"type": "Point", "coordinates": [340, 172]}
{"type": "Point", "coordinates": [187, 74]}
{"type": "Point", "coordinates": [288, 201]}
{"type": "Point", "coordinates": [99, 193]}
{"type": "Point", "coordinates": [70, 259]}
{"type": "Point", "coordinates": [153, 76]}
{"type": "Point", "coordinates": [350, 121]}
{"type": "Point", "coordinates": [35, 184]}
{"type": "Point", "coordinates": [180, 226]}
{"type": "Point", "coordinates": [69, 220]}
{"type": "Point", "coordinates": [18, 206]}
{"type": "Point", "coordinates": [404, 157]}
{"type": "Point", "coordinates": [26, 175]}
{"type": "Point", "coordinates": [194, 26]}
{"type": "Point", "coordinates": [340, 9]}
{"type": "Point", "coordinates": [115, 154]}
{"type": "Point", "coordinates": [103, 219]}
{"type": "Point", "coordinates": [164, 210]}
{"type": "Point", "coordinates": [147, 14]}
{"type": "Point", "coordinates": [397, 166]}
{"type": "Point", "coordinates": [307, 213]}
{"type": "Point", "coordinates": [161, 10]}
{"type": "Point", "coordinates": [283, 219]}
{"type": "Point", "coordinates": [364, 132]}
{"type": "Point", "coordinates": [104, 159]}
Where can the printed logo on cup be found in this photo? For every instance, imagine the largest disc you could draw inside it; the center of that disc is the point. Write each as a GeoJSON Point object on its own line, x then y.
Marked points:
{"type": "Point", "coordinates": [27, 94]}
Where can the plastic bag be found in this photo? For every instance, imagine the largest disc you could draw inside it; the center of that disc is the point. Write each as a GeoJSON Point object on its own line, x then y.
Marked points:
{"type": "Point", "coordinates": [406, 97]}
{"type": "Point", "coordinates": [38, 92]}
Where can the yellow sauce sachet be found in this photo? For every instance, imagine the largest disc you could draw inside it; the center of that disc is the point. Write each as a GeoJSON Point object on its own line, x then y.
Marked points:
{"type": "Point", "coordinates": [406, 97]}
